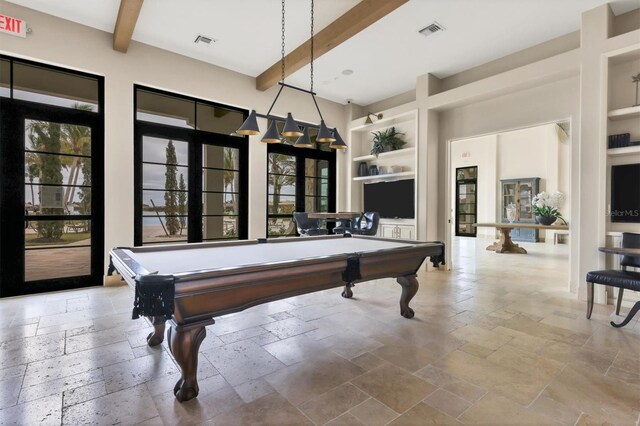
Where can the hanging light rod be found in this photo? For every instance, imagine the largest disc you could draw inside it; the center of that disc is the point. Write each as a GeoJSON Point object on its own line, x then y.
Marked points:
{"type": "Point", "coordinates": [291, 127]}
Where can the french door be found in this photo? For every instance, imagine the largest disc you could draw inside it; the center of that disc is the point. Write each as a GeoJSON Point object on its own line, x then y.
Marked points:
{"type": "Point", "coordinates": [51, 198]}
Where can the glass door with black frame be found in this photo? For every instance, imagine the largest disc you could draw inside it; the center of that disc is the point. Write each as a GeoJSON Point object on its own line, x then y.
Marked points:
{"type": "Point", "coordinates": [51, 197]}
{"type": "Point", "coordinates": [466, 201]}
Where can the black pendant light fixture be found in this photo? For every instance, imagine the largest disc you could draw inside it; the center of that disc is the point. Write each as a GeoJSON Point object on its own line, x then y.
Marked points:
{"type": "Point", "coordinates": [304, 141]}
{"type": "Point", "coordinates": [338, 143]}
{"type": "Point", "coordinates": [291, 127]}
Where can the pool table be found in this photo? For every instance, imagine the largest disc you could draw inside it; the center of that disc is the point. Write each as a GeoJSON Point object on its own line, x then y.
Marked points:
{"type": "Point", "coordinates": [190, 284]}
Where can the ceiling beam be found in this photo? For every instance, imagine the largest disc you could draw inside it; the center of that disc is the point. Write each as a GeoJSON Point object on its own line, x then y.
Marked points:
{"type": "Point", "coordinates": [126, 23]}
{"type": "Point", "coordinates": [346, 26]}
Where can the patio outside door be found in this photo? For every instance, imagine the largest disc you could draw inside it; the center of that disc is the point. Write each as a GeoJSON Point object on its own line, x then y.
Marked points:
{"type": "Point", "coordinates": [51, 222]}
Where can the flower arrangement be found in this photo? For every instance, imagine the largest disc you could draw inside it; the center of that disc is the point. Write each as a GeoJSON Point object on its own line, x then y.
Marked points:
{"type": "Point", "coordinates": [546, 205]}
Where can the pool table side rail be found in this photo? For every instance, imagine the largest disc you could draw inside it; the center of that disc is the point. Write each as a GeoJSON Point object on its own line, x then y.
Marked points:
{"type": "Point", "coordinates": [134, 268]}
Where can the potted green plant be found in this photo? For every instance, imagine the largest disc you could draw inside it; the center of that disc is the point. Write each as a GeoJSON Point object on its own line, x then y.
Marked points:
{"type": "Point", "coordinates": [386, 140]}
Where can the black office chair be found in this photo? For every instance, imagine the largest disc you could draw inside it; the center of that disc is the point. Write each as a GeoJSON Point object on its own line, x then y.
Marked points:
{"type": "Point", "coordinates": [308, 227]}
{"type": "Point", "coordinates": [622, 279]}
{"type": "Point", "coordinates": [367, 224]}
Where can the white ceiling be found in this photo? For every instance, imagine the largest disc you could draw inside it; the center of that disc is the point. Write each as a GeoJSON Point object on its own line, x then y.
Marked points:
{"type": "Point", "coordinates": [386, 57]}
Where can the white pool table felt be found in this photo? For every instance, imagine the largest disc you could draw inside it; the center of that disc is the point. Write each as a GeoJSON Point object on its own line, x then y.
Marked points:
{"type": "Point", "coordinates": [210, 257]}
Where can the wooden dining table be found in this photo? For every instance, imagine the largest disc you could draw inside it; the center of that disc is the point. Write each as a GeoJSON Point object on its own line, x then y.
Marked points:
{"type": "Point", "coordinates": [505, 244]}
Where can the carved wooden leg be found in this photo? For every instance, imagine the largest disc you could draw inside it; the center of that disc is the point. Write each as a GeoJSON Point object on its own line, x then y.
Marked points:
{"type": "Point", "coordinates": [347, 293]}
{"type": "Point", "coordinates": [620, 293]}
{"type": "Point", "coordinates": [184, 344]}
{"type": "Point", "coordinates": [410, 286]}
{"type": "Point", "coordinates": [157, 336]}
{"type": "Point", "coordinates": [505, 244]}
{"type": "Point", "coordinates": [589, 299]}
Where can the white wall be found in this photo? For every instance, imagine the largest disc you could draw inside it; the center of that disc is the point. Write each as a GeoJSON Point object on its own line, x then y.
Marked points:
{"type": "Point", "coordinates": [67, 44]}
{"type": "Point", "coordinates": [526, 109]}
{"type": "Point", "coordinates": [531, 152]}
{"type": "Point", "coordinates": [480, 152]}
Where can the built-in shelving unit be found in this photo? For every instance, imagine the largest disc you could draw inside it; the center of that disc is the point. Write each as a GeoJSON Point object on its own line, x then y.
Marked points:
{"type": "Point", "coordinates": [624, 113]}
{"type": "Point", "coordinates": [628, 150]}
{"type": "Point", "coordinates": [398, 153]}
{"type": "Point", "coordinates": [405, 120]}
{"type": "Point", "coordinates": [386, 176]}
{"type": "Point", "coordinates": [621, 117]}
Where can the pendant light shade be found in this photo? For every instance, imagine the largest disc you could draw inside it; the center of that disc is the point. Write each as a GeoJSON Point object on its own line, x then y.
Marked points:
{"type": "Point", "coordinates": [291, 127]}
{"type": "Point", "coordinates": [250, 125]}
{"type": "Point", "coordinates": [338, 143]}
{"type": "Point", "coordinates": [272, 135]}
{"type": "Point", "coordinates": [304, 141]}
{"type": "Point", "coordinates": [324, 134]}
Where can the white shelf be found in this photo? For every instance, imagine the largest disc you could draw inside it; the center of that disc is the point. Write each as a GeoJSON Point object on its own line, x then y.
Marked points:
{"type": "Point", "coordinates": [396, 153]}
{"type": "Point", "coordinates": [627, 150]}
{"type": "Point", "coordinates": [384, 176]}
{"type": "Point", "coordinates": [624, 113]}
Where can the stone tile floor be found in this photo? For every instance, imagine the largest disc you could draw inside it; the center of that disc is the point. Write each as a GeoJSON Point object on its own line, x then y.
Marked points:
{"type": "Point", "coordinates": [498, 341]}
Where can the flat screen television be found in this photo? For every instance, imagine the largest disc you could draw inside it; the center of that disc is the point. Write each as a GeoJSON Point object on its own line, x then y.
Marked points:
{"type": "Point", "coordinates": [625, 193]}
{"type": "Point", "coordinates": [393, 199]}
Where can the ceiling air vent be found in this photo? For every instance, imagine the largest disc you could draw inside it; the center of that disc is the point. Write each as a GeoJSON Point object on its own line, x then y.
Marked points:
{"type": "Point", "coordinates": [432, 28]}
{"type": "Point", "coordinates": [204, 40]}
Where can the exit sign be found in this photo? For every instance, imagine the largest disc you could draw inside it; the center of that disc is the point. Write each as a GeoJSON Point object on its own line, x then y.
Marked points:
{"type": "Point", "coordinates": [13, 26]}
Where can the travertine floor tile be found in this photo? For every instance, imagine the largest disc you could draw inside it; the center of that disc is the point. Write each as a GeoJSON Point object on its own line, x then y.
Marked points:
{"type": "Point", "coordinates": [253, 389]}
{"type": "Point", "coordinates": [288, 327]}
{"type": "Point", "coordinates": [555, 411]}
{"type": "Point", "coordinates": [345, 420]}
{"type": "Point", "coordinates": [67, 365]}
{"type": "Point", "coordinates": [129, 406]}
{"type": "Point", "coordinates": [406, 356]}
{"type": "Point", "coordinates": [295, 349]}
{"type": "Point", "coordinates": [271, 409]}
{"type": "Point", "coordinates": [43, 411]}
{"type": "Point", "coordinates": [423, 414]}
{"type": "Point", "coordinates": [137, 371]}
{"type": "Point", "coordinates": [373, 413]}
{"type": "Point", "coordinates": [497, 410]}
{"type": "Point", "coordinates": [333, 403]}
{"type": "Point", "coordinates": [83, 393]}
{"type": "Point", "coordinates": [242, 361]}
{"type": "Point", "coordinates": [586, 390]}
{"type": "Point", "coordinates": [447, 402]}
{"type": "Point", "coordinates": [394, 387]}
{"type": "Point", "coordinates": [52, 387]}
{"type": "Point", "coordinates": [308, 379]}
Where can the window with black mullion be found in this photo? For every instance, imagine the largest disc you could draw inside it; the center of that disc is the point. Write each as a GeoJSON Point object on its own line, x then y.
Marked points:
{"type": "Point", "coordinates": [191, 171]}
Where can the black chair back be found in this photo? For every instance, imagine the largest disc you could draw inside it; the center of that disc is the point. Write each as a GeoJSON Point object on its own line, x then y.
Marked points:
{"type": "Point", "coordinates": [630, 240]}
{"type": "Point", "coordinates": [304, 224]}
{"type": "Point", "coordinates": [371, 222]}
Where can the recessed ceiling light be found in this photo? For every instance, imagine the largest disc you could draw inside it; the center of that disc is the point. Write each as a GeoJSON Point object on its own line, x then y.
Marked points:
{"type": "Point", "coordinates": [347, 72]}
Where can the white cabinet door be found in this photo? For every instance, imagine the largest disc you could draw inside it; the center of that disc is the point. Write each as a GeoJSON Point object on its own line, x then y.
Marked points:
{"type": "Point", "coordinates": [387, 231]}
{"type": "Point", "coordinates": [406, 232]}
{"type": "Point", "coordinates": [403, 232]}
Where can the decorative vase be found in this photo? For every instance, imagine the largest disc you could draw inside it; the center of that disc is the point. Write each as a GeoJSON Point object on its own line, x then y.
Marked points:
{"type": "Point", "coordinates": [511, 212]}
{"type": "Point", "coordinates": [546, 220]}
{"type": "Point", "coordinates": [373, 170]}
{"type": "Point", "coordinates": [363, 169]}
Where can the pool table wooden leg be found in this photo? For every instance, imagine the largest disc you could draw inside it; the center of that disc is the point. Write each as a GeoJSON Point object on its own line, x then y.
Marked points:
{"type": "Point", "coordinates": [184, 344]}
{"type": "Point", "coordinates": [347, 293]}
{"type": "Point", "coordinates": [410, 287]}
{"type": "Point", "coordinates": [157, 335]}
